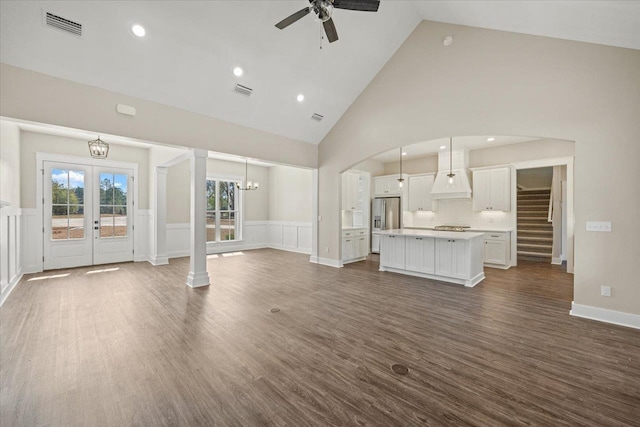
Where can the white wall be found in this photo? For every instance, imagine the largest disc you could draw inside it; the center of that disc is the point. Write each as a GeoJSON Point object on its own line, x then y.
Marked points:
{"type": "Point", "coordinates": [32, 143]}
{"type": "Point", "coordinates": [494, 82]}
{"type": "Point", "coordinates": [10, 163]}
{"type": "Point", "coordinates": [535, 178]}
{"type": "Point", "coordinates": [290, 194]}
{"type": "Point", "coordinates": [256, 203]}
{"type": "Point", "coordinates": [79, 106]}
{"type": "Point", "coordinates": [460, 211]}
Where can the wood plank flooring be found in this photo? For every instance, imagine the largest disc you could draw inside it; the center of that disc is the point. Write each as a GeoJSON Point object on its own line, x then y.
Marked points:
{"type": "Point", "coordinates": [135, 346]}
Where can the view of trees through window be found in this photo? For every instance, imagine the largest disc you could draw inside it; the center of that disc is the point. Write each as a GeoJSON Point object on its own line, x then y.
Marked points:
{"type": "Point", "coordinates": [222, 211]}
{"type": "Point", "coordinates": [67, 204]}
{"type": "Point", "coordinates": [113, 205]}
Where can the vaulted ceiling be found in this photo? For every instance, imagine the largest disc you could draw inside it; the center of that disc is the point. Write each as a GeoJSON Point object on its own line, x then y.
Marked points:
{"type": "Point", "coordinates": [190, 49]}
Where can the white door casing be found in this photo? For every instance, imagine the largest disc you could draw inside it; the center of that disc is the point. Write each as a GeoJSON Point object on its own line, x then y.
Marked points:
{"type": "Point", "coordinates": [67, 215]}
{"type": "Point", "coordinates": [112, 215]}
{"type": "Point", "coordinates": [79, 247]}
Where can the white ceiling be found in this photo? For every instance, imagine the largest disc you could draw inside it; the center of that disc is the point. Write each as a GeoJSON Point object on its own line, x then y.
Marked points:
{"type": "Point", "coordinates": [187, 57]}
{"type": "Point", "coordinates": [431, 148]}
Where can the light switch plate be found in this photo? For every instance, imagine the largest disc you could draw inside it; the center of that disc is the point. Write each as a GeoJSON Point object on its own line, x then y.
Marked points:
{"type": "Point", "coordinates": [603, 226]}
{"type": "Point", "coordinates": [605, 291]}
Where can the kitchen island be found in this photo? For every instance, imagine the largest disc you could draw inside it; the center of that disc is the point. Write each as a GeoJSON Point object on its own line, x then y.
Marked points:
{"type": "Point", "coordinates": [455, 257]}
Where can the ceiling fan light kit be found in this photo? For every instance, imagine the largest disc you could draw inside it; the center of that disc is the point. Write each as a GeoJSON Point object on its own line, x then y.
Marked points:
{"type": "Point", "coordinates": [323, 9]}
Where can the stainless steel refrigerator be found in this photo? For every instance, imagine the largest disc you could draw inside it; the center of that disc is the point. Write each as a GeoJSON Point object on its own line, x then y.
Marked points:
{"type": "Point", "coordinates": [385, 215]}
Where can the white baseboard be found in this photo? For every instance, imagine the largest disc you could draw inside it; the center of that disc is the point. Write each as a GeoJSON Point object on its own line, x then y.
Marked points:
{"type": "Point", "coordinates": [326, 261]}
{"type": "Point", "coordinates": [289, 249]}
{"type": "Point", "coordinates": [556, 261]}
{"type": "Point", "coordinates": [158, 260]}
{"type": "Point", "coordinates": [605, 315]}
{"type": "Point", "coordinates": [10, 287]}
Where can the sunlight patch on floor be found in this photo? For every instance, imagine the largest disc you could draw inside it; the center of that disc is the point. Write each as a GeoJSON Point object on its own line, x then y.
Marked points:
{"type": "Point", "coordinates": [53, 276]}
{"type": "Point", "coordinates": [104, 270]}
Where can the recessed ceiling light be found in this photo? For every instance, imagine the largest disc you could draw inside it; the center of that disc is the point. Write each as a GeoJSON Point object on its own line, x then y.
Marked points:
{"type": "Point", "coordinates": [238, 71]}
{"type": "Point", "coordinates": [404, 153]}
{"type": "Point", "coordinates": [443, 147]}
{"type": "Point", "coordinates": [300, 97]}
{"type": "Point", "coordinates": [491, 139]}
{"type": "Point", "coordinates": [138, 30]}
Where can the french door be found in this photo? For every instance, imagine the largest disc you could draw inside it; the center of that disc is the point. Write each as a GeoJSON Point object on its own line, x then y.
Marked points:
{"type": "Point", "coordinates": [87, 215]}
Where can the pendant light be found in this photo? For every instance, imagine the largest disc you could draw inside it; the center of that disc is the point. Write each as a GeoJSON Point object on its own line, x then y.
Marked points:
{"type": "Point", "coordinates": [400, 178]}
{"type": "Point", "coordinates": [98, 149]}
{"type": "Point", "coordinates": [451, 175]}
{"type": "Point", "coordinates": [249, 185]}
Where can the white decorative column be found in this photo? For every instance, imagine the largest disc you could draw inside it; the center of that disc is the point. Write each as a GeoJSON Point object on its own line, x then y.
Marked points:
{"type": "Point", "coordinates": [159, 231]}
{"type": "Point", "coordinates": [198, 275]}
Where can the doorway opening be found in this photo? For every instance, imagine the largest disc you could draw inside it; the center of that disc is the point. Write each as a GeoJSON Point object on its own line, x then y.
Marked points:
{"type": "Point", "coordinates": [87, 213]}
{"type": "Point", "coordinates": [542, 214]}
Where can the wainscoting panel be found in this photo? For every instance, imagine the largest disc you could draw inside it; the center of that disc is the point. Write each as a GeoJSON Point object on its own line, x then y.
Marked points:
{"type": "Point", "coordinates": [141, 235]}
{"type": "Point", "coordinates": [256, 234]}
{"type": "Point", "coordinates": [178, 240]}
{"type": "Point", "coordinates": [10, 250]}
{"type": "Point", "coordinates": [31, 241]}
{"type": "Point", "coordinates": [290, 236]}
{"type": "Point", "coordinates": [275, 234]}
{"type": "Point", "coordinates": [284, 235]}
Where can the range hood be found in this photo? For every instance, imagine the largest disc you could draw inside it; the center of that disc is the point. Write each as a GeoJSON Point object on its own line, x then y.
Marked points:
{"type": "Point", "coordinates": [461, 188]}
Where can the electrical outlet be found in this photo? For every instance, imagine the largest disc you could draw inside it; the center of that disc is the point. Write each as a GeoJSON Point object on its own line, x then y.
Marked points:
{"type": "Point", "coordinates": [603, 226]}
{"type": "Point", "coordinates": [605, 291]}
{"type": "Point", "coordinates": [326, 249]}
{"type": "Point", "coordinates": [319, 217]}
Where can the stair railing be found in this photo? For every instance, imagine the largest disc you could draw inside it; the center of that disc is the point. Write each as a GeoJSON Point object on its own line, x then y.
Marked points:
{"type": "Point", "coordinates": [550, 214]}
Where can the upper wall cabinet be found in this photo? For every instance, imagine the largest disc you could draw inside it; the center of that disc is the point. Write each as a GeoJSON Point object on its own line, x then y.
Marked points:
{"type": "Point", "coordinates": [351, 191]}
{"type": "Point", "coordinates": [388, 185]}
{"type": "Point", "coordinates": [492, 189]}
{"type": "Point", "coordinates": [420, 192]}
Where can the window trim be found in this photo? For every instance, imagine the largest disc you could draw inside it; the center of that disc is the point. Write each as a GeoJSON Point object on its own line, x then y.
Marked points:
{"type": "Point", "coordinates": [239, 202]}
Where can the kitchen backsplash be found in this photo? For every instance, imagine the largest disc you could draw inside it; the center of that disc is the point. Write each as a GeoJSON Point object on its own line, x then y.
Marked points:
{"type": "Point", "coordinates": [458, 212]}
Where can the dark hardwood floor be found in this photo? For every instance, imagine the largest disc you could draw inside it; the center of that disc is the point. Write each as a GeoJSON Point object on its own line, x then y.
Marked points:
{"type": "Point", "coordinates": [135, 346]}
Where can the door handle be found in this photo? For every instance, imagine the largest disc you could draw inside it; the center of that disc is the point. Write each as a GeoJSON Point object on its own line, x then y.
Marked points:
{"type": "Point", "coordinates": [96, 228]}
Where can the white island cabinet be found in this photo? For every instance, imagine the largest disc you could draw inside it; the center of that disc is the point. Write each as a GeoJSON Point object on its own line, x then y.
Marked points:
{"type": "Point", "coordinates": [440, 255]}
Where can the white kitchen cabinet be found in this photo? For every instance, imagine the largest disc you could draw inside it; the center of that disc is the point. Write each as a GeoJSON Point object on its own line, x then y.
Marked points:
{"type": "Point", "coordinates": [350, 191]}
{"type": "Point", "coordinates": [392, 251]}
{"type": "Point", "coordinates": [355, 245]}
{"type": "Point", "coordinates": [362, 246]}
{"type": "Point", "coordinates": [492, 189]}
{"type": "Point", "coordinates": [420, 192]}
{"type": "Point", "coordinates": [388, 185]}
{"type": "Point", "coordinates": [420, 254]}
{"type": "Point", "coordinates": [452, 258]}
{"type": "Point", "coordinates": [348, 248]}
{"type": "Point", "coordinates": [496, 249]}
{"type": "Point", "coordinates": [432, 254]}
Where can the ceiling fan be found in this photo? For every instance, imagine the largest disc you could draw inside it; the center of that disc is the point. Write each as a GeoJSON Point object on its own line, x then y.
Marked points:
{"type": "Point", "coordinates": [323, 10]}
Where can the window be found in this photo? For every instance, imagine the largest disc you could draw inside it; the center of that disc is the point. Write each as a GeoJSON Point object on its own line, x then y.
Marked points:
{"type": "Point", "coordinates": [67, 204]}
{"type": "Point", "coordinates": [113, 205]}
{"type": "Point", "coordinates": [223, 210]}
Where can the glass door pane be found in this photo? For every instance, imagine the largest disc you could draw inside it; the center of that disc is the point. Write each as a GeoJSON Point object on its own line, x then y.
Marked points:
{"type": "Point", "coordinates": [67, 204]}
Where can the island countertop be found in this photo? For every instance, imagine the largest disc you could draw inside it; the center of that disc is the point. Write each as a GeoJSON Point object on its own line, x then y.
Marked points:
{"type": "Point", "coordinates": [457, 235]}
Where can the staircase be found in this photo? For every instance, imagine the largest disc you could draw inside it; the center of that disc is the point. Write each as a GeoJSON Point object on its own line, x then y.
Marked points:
{"type": "Point", "coordinates": [535, 233]}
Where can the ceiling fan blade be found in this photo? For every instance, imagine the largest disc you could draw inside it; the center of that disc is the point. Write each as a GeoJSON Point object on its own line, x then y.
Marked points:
{"type": "Point", "coordinates": [293, 18]}
{"type": "Point", "coordinates": [361, 5]}
{"type": "Point", "coordinates": [330, 29]}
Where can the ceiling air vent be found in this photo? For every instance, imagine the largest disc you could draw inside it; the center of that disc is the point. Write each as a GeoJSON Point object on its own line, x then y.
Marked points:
{"type": "Point", "coordinates": [317, 116]}
{"type": "Point", "coordinates": [63, 24]}
{"type": "Point", "coordinates": [243, 89]}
